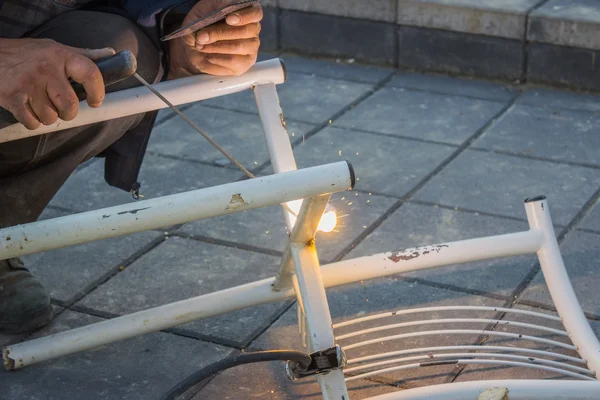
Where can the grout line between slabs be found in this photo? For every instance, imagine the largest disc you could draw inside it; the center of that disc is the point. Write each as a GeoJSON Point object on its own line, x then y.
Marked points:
{"type": "Point", "coordinates": [227, 243]}
{"type": "Point", "coordinates": [466, 144]}
{"type": "Point", "coordinates": [514, 298]}
{"type": "Point", "coordinates": [536, 158]}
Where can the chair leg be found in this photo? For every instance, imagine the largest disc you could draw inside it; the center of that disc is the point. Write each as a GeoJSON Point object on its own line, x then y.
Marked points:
{"type": "Point", "coordinates": [559, 285]}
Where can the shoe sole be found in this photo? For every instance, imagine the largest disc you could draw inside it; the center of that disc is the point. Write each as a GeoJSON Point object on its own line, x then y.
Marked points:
{"type": "Point", "coordinates": [37, 321]}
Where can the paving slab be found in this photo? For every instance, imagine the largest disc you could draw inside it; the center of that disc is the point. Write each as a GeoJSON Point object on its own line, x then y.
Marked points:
{"type": "Point", "coordinates": [572, 23]}
{"type": "Point", "coordinates": [345, 69]}
{"type": "Point", "coordinates": [421, 115]}
{"type": "Point", "coordinates": [393, 166]}
{"type": "Point", "coordinates": [502, 19]}
{"type": "Point", "coordinates": [265, 227]}
{"type": "Point", "coordinates": [378, 10]}
{"type": "Point", "coordinates": [462, 86]}
{"type": "Point", "coordinates": [498, 184]}
{"type": "Point", "coordinates": [179, 269]}
{"type": "Point", "coordinates": [559, 135]}
{"type": "Point", "coordinates": [68, 272]}
{"type": "Point", "coordinates": [86, 190]}
{"type": "Point", "coordinates": [592, 220]}
{"type": "Point", "coordinates": [141, 368]}
{"type": "Point", "coordinates": [581, 254]}
{"type": "Point", "coordinates": [486, 372]}
{"type": "Point", "coordinates": [373, 297]}
{"type": "Point", "coordinates": [307, 98]}
{"type": "Point", "coordinates": [240, 134]}
{"type": "Point", "coordinates": [553, 99]}
{"type": "Point", "coordinates": [414, 225]}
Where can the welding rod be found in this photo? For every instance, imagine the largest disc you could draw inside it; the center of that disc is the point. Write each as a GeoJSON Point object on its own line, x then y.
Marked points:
{"type": "Point", "coordinates": [204, 134]}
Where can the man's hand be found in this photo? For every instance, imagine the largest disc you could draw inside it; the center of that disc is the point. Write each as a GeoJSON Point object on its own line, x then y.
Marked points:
{"type": "Point", "coordinates": [229, 47]}
{"type": "Point", "coordinates": [34, 79]}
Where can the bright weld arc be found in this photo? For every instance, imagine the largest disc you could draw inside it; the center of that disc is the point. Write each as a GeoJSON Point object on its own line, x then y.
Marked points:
{"type": "Point", "coordinates": [327, 223]}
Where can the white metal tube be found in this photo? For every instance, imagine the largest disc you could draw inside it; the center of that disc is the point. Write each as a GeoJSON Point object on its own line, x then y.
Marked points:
{"type": "Point", "coordinates": [316, 311]}
{"type": "Point", "coordinates": [450, 321]}
{"type": "Point", "coordinates": [524, 389]}
{"type": "Point", "coordinates": [470, 362]}
{"type": "Point", "coordinates": [465, 347]}
{"type": "Point", "coordinates": [460, 332]}
{"type": "Point", "coordinates": [443, 308]}
{"type": "Point", "coordinates": [429, 357]}
{"type": "Point", "coordinates": [140, 100]}
{"type": "Point", "coordinates": [559, 285]}
{"type": "Point", "coordinates": [101, 333]}
{"type": "Point", "coordinates": [276, 137]}
{"type": "Point", "coordinates": [174, 209]}
{"type": "Point", "coordinates": [392, 263]}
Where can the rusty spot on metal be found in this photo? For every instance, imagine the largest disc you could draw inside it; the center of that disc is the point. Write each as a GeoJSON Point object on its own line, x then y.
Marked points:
{"type": "Point", "coordinates": [409, 254]}
{"type": "Point", "coordinates": [8, 238]}
{"type": "Point", "coordinates": [133, 211]}
{"type": "Point", "coordinates": [283, 123]}
{"type": "Point", "coordinates": [25, 238]}
{"type": "Point", "coordinates": [237, 201]}
{"type": "Point", "coordinates": [9, 363]}
{"type": "Point", "coordinates": [183, 316]}
{"type": "Point", "coordinates": [105, 216]}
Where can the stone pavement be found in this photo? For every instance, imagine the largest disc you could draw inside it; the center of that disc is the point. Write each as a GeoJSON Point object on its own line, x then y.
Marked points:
{"type": "Point", "coordinates": [437, 159]}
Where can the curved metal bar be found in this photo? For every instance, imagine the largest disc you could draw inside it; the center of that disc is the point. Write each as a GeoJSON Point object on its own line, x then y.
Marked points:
{"type": "Point", "coordinates": [468, 362]}
{"type": "Point", "coordinates": [470, 355]}
{"type": "Point", "coordinates": [461, 332]}
{"type": "Point", "coordinates": [445, 308]}
{"type": "Point", "coordinates": [451, 320]}
{"type": "Point", "coordinates": [519, 389]}
{"type": "Point", "coordinates": [465, 347]}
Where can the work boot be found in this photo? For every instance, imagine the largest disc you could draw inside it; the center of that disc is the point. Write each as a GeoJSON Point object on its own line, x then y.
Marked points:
{"type": "Point", "coordinates": [24, 303]}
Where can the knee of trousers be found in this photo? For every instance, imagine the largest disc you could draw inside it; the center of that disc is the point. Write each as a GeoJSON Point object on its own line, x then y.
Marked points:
{"type": "Point", "coordinates": [94, 29]}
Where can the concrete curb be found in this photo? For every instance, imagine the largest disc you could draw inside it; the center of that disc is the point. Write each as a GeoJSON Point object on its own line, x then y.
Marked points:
{"type": "Point", "coordinates": [553, 42]}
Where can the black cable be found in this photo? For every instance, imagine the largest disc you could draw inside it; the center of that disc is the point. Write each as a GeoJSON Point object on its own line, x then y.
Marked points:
{"type": "Point", "coordinates": [233, 361]}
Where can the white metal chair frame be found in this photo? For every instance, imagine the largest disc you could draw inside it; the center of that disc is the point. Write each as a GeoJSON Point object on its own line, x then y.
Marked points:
{"type": "Point", "coordinates": [300, 276]}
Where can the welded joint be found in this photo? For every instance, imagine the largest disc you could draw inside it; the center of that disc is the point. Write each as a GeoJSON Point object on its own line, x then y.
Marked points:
{"type": "Point", "coordinates": [302, 235]}
{"type": "Point", "coordinates": [322, 362]}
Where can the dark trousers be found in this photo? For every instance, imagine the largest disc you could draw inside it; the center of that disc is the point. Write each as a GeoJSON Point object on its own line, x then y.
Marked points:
{"type": "Point", "coordinates": [32, 170]}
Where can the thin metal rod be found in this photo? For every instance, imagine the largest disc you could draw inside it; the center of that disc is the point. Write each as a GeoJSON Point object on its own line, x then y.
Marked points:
{"type": "Point", "coordinates": [461, 332]}
{"type": "Point", "coordinates": [470, 362]}
{"type": "Point", "coordinates": [464, 347]}
{"type": "Point", "coordinates": [444, 308]}
{"type": "Point", "coordinates": [194, 126]}
{"type": "Point", "coordinates": [560, 287]}
{"type": "Point", "coordinates": [468, 355]}
{"type": "Point", "coordinates": [518, 389]}
{"type": "Point", "coordinates": [501, 322]}
{"type": "Point", "coordinates": [174, 209]}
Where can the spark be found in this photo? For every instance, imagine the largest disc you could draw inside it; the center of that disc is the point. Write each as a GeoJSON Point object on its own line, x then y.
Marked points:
{"type": "Point", "coordinates": [350, 203]}
{"type": "Point", "coordinates": [356, 153]}
{"type": "Point", "coordinates": [340, 153]}
{"type": "Point", "coordinates": [368, 201]}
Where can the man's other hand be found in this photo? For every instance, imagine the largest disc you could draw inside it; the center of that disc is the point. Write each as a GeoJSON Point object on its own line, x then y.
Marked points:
{"type": "Point", "coordinates": [229, 47]}
{"type": "Point", "coordinates": [34, 79]}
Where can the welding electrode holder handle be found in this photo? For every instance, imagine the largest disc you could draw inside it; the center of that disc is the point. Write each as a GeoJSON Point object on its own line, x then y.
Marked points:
{"type": "Point", "coordinates": [113, 69]}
